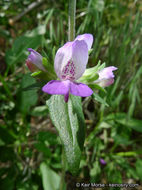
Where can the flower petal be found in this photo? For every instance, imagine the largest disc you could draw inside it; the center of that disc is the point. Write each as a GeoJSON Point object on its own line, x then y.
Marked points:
{"type": "Point", "coordinates": [31, 66]}
{"type": "Point", "coordinates": [71, 60]}
{"type": "Point", "coordinates": [106, 76]}
{"type": "Point", "coordinates": [80, 89]}
{"type": "Point", "coordinates": [107, 73]}
{"type": "Point", "coordinates": [102, 161]}
{"type": "Point", "coordinates": [56, 87]}
{"type": "Point", "coordinates": [35, 58]}
{"type": "Point", "coordinates": [62, 57]}
{"type": "Point", "coordinates": [79, 57]}
{"type": "Point", "coordinates": [88, 38]}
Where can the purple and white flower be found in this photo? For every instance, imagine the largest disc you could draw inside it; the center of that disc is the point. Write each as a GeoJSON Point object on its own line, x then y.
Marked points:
{"type": "Point", "coordinates": [106, 76]}
{"type": "Point", "coordinates": [70, 64]}
{"type": "Point", "coordinates": [34, 61]}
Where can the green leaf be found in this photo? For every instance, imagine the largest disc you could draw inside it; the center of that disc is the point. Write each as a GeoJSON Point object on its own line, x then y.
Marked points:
{"type": "Point", "coordinates": [19, 48]}
{"type": "Point", "coordinates": [36, 85]}
{"type": "Point", "coordinates": [123, 119]}
{"type": "Point", "coordinates": [27, 98]}
{"type": "Point", "coordinates": [50, 179]}
{"type": "Point", "coordinates": [40, 111]}
{"type": "Point", "coordinates": [99, 99]}
{"type": "Point", "coordinates": [96, 170]}
{"type": "Point", "coordinates": [40, 146]}
{"type": "Point", "coordinates": [139, 168]}
{"type": "Point", "coordinates": [69, 121]}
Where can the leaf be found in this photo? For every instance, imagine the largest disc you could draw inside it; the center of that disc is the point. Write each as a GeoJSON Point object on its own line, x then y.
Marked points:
{"type": "Point", "coordinates": [99, 99]}
{"type": "Point", "coordinates": [40, 111]}
{"type": "Point", "coordinates": [19, 48]}
{"type": "Point", "coordinates": [139, 168]}
{"type": "Point", "coordinates": [69, 121]}
{"type": "Point", "coordinates": [96, 170]}
{"type": "Point", "coordinates": [36, 85]}
{"type": "Point", "coordinates": [50, 179]}
{"type": "Point", "coordinates": [123, 119]}
{"type": "Point", "coordinates": [40, 146]}
{"type": "Point", "coordinates": [47, 136]}
{"type": "Point", "coordinates": [27, 98]}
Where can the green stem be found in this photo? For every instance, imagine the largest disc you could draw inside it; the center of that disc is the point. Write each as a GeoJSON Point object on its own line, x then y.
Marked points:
{"type": "Point", "coordinates": [71, 36]}
{"type": "Point", "coordinates": [72, 10]}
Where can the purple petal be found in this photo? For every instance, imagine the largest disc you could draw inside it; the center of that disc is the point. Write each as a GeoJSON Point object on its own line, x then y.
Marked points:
{"type": "Point", "coordinates": [79, 57]}
{"type": "Point", "coordinates": [88, 38]}
{"type": "Point", "coordinates": [107, 73]}
{"type": "Point", "coordinates": [58, 87]}
{"type": "Point", "coordinates": [80, 89]}
{"type": "Point", "coordinates": [102, 161]}
{"type": "Point", "coordinates": [106, 76]}
{"type": "Point", "coordinates": [35, 58]}
{"type": "Point", "coordinates": [31, 66]}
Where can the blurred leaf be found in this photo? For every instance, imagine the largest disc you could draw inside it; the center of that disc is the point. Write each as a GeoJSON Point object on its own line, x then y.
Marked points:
{"type": "Point", "coordinates": [47, 136]}
{"type": "Point", "coordinates": [36, 85]}
{"type": "Point", "coordinates": [113, 175]}
{"type": "Point", "coordinates": [139, 168]}
{"type": "Point", "coordinates": [96, 170]}
{"type": "Point", "coordinates": [2, 142]}
{"type": "Point", "coordinates": [50, 179]}
{"type": "Point", "coordinates": [43, 148]}
{"type": "Point", "coordinates": [40, 111]}
{"type": "Point", "coordinates": [6, 136]}
{"type": "Point", "coordinates": [40, 30]}
{"type": "Point", "coordinates": [19, 49]}
{"type": "Point", "coordinates": [99, 99]}
{"type": "Point", "coordinates": [124, 120]}
{"type": "Point", "coordinates": [27, 98]}
{"type": "Point", "coordinates": [69, 121]}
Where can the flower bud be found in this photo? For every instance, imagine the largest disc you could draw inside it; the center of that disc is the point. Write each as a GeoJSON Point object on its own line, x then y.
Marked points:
{"type": "Point", "coordinates": [34, 61]}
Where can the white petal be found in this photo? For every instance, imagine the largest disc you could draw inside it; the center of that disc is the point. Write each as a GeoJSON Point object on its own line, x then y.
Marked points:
{"type": "Point", "coordinates": [88, 38]}
{"type": "Point", "coordinates": [79, 57]}
{"type": "Point", "coordinates": [62, 57]}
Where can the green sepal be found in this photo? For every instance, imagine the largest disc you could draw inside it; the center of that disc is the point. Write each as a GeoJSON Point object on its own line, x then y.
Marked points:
{"type": "Point", "coordinates": [45, 63]}
{"type": "Point", "coordinates": [35, 74]}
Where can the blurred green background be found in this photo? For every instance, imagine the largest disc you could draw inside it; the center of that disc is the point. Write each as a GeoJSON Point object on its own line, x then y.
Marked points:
{"type": "Point", "coordinates": [30, 149]}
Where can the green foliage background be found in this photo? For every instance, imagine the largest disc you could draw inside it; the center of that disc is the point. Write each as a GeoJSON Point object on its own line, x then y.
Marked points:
{"type": "Point", "coordinates": [30, 149]}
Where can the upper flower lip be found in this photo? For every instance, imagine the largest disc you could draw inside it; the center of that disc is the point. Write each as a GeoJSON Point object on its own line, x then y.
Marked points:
{"type": "Point", "coordinates": [75, 53]}
{"type": "Point", "coordinates": [88, 38]}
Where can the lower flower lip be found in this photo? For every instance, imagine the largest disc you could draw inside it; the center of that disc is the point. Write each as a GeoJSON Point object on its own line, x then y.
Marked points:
{"type": "Point", "coordinates": [67, 87]}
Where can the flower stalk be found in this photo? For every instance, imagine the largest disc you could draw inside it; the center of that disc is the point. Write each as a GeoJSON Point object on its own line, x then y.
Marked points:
{"type": "Point", "coordinates": [72, 12]}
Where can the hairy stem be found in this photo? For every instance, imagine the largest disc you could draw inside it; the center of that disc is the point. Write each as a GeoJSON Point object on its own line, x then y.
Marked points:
{"type": "Point", "coordinates": [72, 11]}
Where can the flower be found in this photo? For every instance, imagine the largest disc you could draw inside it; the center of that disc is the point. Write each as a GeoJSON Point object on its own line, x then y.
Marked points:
{"type": "Point", "coordinates": [70, 64]}
{"type": "Point", "coordinates": [106, 76]}
{"type": "Point", "coordinates": [34, 61]}
{"type": "Point", "coordinates": [102, 161]}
